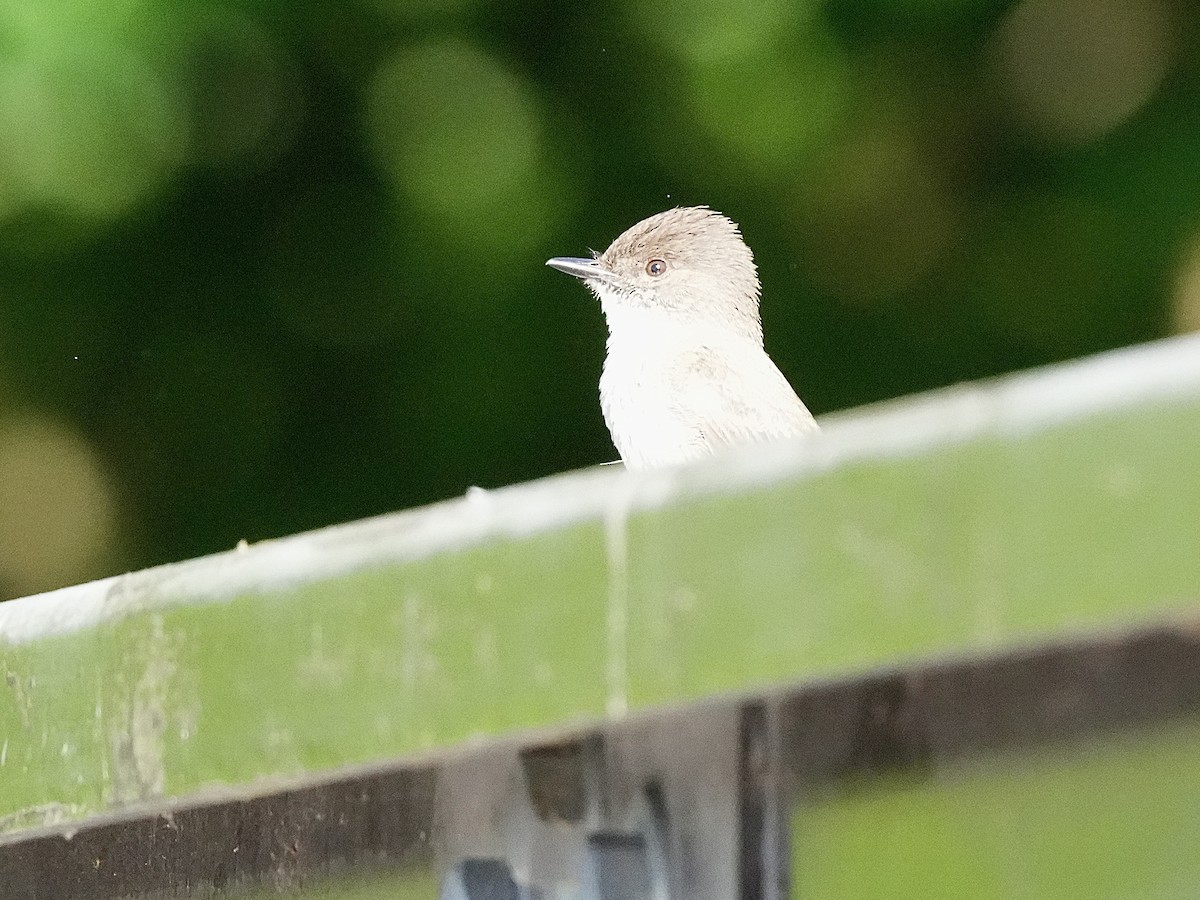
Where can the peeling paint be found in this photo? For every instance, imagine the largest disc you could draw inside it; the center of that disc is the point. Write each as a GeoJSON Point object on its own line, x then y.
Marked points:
{"type": "Point", "coordinates": [616, 546]}
{"type": "Point", "coordinates": [44, 815]}
{"type": "Point", "coordinates": [136, 732]}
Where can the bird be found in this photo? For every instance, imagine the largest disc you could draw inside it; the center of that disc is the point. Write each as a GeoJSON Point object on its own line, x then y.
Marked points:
{"type": "Point", "coordinates": [685, 375]}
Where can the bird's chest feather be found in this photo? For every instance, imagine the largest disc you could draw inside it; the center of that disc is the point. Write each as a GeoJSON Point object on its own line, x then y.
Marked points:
{"type": "Point", "coordinates": [639, 404]}
{"type": "Point", "coordinates": [635, 378]}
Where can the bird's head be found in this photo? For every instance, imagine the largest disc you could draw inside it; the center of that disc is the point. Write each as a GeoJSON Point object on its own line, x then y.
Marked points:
{"type": "Point", "coordinates": [689, 262]}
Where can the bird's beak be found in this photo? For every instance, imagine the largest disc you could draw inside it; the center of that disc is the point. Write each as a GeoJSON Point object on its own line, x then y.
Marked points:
{"type": "Point", "coordinates": [580, 268]}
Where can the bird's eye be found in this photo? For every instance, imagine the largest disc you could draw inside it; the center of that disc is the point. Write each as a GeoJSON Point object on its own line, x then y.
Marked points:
{"type": "Point", "coordinates": [656, 267]}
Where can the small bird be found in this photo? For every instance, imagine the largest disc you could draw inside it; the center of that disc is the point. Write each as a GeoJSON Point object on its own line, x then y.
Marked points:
{"type": "Point", "coordinates": [686, 375]}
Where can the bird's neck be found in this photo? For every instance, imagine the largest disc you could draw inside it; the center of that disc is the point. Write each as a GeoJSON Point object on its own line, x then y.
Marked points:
{"type": "Point", "coordinates": [628, 324]}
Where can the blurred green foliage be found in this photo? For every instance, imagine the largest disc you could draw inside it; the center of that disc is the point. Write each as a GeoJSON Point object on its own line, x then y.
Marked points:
{"type": "Point", "coordinates": [268, 266]}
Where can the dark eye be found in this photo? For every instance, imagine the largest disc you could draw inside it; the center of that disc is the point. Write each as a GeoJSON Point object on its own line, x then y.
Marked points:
{"type": "Point", "coordinates": [656, 267]}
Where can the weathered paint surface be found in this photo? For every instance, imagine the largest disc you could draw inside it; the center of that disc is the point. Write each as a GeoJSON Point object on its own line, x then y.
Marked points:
{"type": "Point", "coordinates": [964, 522]}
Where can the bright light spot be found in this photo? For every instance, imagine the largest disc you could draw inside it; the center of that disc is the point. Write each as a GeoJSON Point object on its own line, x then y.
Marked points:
{"type": "Point", "coordinates": [772, 111]}
{"type": "Point", "coordinates": [1186, 299]}
{"type": "Point", "coordinates": [243, 98]}
{"type": "Point", "coordinates": [418, 10]}
{"type": "Point", "coordinates": [88, 129]}
{"type": "Point", "coordinates": [876, 215]}
{"type": "Point", "coordinates": [57, 516]}
{"type": "Point", "coordinates": [764, 79]}
{"type": "Point", "coordinates": [1074, 70]}
{"type": "Point", "coordinates": [709, 31]}
{"type": "Point", "coordinates": [461, 136]}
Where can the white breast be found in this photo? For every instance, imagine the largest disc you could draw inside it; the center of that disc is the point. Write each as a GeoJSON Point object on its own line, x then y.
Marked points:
{"type": "Point", "coordinates": [672, 393]}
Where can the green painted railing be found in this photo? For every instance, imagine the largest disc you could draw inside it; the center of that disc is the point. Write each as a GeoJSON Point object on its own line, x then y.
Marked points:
{"type": "Point", "coordinates": [983, 518]}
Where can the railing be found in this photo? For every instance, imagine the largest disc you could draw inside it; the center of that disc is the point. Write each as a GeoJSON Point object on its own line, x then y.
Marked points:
{"type": "Point", "coordinates": [948, 648]}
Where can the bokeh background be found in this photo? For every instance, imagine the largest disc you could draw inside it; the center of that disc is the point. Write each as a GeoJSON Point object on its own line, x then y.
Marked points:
{"type": "Point", "coordinates": [267, 266]}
